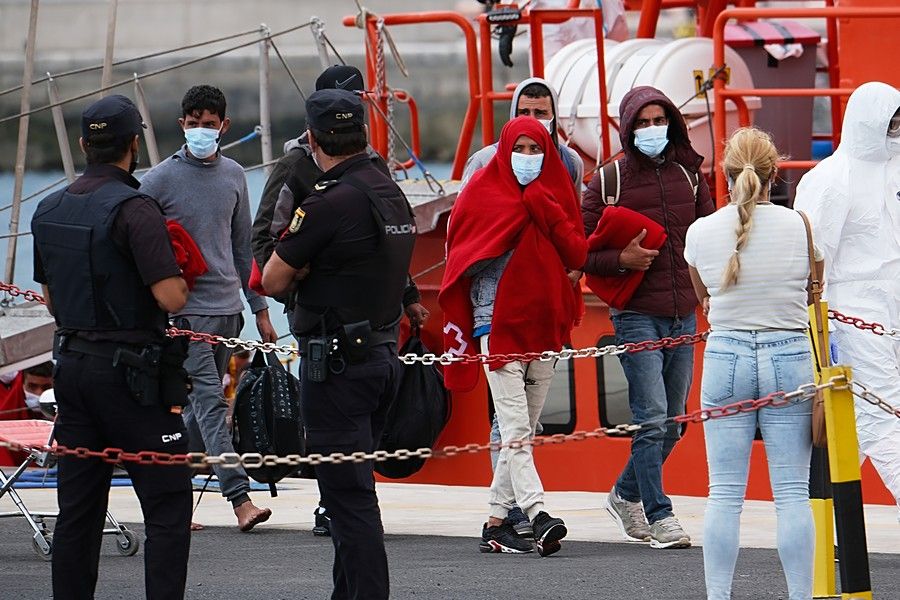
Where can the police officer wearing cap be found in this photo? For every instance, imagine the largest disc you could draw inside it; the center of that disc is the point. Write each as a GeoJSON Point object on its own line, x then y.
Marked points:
{"type": "Point", "coordinates": [108, 272]}
{"type": "Point", "coordinates": [345, 255]}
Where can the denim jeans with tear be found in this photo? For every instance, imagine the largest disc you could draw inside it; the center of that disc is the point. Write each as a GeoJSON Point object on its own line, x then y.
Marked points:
{"type": "Point", "coordinates": [742, 365]}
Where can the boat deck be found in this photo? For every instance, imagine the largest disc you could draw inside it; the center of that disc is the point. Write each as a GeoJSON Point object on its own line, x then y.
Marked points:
{"type": "Point", "coordinates": [432, 547]}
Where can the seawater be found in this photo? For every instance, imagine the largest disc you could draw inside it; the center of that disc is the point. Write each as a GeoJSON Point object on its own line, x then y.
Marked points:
{"type": "Point", "coordinates": [35, 181]}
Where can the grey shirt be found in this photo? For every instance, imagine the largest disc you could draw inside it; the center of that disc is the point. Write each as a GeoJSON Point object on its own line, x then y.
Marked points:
{"type": "Point", "coordinates": [210, 200]}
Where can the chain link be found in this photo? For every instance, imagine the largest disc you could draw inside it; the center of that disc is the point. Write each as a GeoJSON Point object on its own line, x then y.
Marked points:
{"type": "Point", "coordinates": [14, 291]}
{"type": "Point", "coordinates": [383, 91]}
{"type": "Point", "coordinates": [874, 327]}
{"type": "Point", "coordinates": [233, 460]}
{"type": "Point", "coordinates": [861, 391]}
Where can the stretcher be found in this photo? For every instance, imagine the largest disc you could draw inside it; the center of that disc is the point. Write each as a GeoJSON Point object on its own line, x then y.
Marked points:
{"type": "Point", "coordinates": [37, 434]}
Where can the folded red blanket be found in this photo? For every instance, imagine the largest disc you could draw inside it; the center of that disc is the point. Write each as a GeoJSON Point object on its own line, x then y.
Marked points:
{"type": "Point", "coordinates": [187, 254]}
{"type": "Point", "coordinates": [255, 282]}
{"type": "Point", "coordinates": [617, 227]}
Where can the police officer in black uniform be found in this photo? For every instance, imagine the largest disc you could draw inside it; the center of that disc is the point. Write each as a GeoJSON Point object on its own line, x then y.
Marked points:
{"type": "Point", "coordinates": [104, 259]}
{"type": "Point", "coordinates": [347, 251]}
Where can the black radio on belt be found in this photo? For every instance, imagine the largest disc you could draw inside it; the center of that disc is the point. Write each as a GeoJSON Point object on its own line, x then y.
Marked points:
{"type": "Point", "coordinates": [316, 359]}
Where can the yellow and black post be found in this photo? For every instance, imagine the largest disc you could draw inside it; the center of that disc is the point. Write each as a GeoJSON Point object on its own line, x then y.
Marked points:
{"type": "Point", "coordinates": [843, 457]}
{"type": "Point", "coordinates": [820, 498]}
{"type": "Point", "coordinates": [820, 494]}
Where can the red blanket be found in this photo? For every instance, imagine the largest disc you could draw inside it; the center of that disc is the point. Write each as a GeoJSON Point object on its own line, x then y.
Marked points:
{"type": "Point", "coordinates": [617, 227]}
{"type": "Point", "coordinates": [187, 254]}
{"type": "Point", "coordinates": [536, 306]}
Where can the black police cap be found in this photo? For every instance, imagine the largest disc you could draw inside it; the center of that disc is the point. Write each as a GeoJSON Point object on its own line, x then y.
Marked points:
{"type": "Point", "coordinates": [114, 116]}
{"type": "Point", "coordinates": [341, 77]}
{"type": "Point", "coordinates": [335, 111]}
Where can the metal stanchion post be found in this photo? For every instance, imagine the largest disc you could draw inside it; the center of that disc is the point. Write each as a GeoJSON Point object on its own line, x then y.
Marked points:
{"type": "Point", "coordinates": [265, 121]}
{"type": "Point", "coordinates": [62, 136]}
{"type": "Point", "coordinates": [843, 456]}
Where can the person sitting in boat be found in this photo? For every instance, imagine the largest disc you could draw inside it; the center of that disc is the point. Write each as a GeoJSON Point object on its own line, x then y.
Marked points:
{"type": "Point", "coordinates": [755, 295]}
{"type": "Point", "coordinates": [533, 98]}
{"type": "Point", "coordinates": [658, 178]}
{"type": "Point", "coordinates": [853, 200]}
{"type": "Point", "coordinates": [497, 251]}
{"type": "Point", "coordinates": [20, 392]}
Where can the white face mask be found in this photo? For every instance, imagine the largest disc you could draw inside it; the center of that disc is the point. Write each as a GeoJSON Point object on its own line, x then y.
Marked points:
{"type": "Point", "coordinates": [202, 142]}
{"type": "Point", "coordinates": [893, 145]}
{"type": "Point", "coordinates": [32, 401]}
{"type": "Point", "coordinates": [526, 167]}
{"type": "Point", "coordinates": [651, 140]}
{"type": "Point", "coordinates": [548, 124]}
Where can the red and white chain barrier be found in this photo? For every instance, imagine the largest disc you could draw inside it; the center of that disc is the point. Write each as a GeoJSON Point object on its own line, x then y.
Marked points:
{"type": "Point", "coordinates": [255, 460]}
{"type": "Point", "coordinates": [232, 460]}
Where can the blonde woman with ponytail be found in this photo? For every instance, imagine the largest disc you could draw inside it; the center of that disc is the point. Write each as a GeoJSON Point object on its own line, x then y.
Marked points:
{"type": "Point", "coordinates": [749, 265]}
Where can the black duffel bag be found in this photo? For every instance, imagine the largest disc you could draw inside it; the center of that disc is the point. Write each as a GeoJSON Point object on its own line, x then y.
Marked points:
{"type": "Point", "coordinates": [267, 416]}
{"type": "Point", "coordinates": [418, 415]}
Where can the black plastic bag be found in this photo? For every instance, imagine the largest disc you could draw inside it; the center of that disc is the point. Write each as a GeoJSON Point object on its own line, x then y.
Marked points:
{"type": "Point", "coordinates": [418, 415]}
{"type": "Point", "coordinates": [267, 416]}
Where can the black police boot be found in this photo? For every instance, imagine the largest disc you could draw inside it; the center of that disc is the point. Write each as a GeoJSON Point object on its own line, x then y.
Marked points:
{"type": "Point", "coordinates": [322, 526]}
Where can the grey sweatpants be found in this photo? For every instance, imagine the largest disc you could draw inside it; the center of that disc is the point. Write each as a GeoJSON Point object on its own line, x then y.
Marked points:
{"type": "Point", "coordinates": [204, 416]}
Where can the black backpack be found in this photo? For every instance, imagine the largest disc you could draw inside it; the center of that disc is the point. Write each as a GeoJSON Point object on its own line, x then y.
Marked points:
{"type": "Point", "coordinates": [417, 416]}
{"type": "Point", "coordinates": [267, 416]}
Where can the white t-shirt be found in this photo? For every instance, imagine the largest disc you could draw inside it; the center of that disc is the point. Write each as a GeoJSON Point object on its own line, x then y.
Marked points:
{"type": "Point", "coordinates": [771, 289]}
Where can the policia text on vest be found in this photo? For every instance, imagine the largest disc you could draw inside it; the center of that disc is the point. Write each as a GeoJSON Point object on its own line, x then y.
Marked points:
{"type": "Point", "coordinates": [352, 243]}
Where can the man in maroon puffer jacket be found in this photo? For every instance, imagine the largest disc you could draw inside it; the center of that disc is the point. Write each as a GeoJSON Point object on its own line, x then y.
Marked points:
{"type": "Point", "coordinates": [658, 175]}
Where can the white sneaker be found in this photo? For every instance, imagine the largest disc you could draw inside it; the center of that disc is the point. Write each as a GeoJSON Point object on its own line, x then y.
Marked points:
{"type": "Point", "coordinates": [629, 516]}
{"type": "Point", "coordinates": [668, 533]}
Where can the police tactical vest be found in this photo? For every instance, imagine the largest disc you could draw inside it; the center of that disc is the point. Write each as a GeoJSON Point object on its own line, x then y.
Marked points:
{"type": "Point", "coordinates": [374, 290]}
{"type": "Point", "coordinates": [94, 285]}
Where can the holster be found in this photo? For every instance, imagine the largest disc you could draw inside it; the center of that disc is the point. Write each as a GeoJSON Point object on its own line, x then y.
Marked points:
{"type": "Point", "coordinates": [156, 375]}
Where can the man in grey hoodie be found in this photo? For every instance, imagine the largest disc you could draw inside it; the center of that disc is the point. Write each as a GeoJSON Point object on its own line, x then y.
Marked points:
{"type": "Point", "coordinates": [207, 194]}
{"type": "Point", "coordinates": [534, 97]}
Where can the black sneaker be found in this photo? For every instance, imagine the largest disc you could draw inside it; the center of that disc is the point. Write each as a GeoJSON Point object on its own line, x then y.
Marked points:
{"type": "Point", "coordinates": [322, 526]}
{"type": "Point", "coordinates": [503, 538]}
{"type": "Point", "coordinates": [547, 533]}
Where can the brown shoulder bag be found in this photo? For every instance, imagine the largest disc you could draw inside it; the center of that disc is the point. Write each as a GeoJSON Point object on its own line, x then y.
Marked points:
{"type": "Point", "coordinates": [817, 331]}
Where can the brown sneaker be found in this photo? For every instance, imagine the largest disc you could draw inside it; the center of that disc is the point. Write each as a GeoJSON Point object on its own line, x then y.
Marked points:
{"type": "Point", "coordinates": [249, 515]}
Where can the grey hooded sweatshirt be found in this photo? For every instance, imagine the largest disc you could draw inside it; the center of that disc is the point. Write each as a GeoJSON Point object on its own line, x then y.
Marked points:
{"type": "Point", "coordinates": [571, 159]}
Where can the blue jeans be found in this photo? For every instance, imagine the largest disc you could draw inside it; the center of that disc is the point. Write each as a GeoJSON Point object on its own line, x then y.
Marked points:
{"type": "Point", "coordinates": [741, 365]}
{"type": "Point", "coordinates": [658, 384]}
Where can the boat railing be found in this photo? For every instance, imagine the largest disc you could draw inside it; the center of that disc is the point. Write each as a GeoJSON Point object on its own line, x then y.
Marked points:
{"type": "Point", "coordinates": [723, 93]}
{"type": "Point", "coordinates": [264, 39]}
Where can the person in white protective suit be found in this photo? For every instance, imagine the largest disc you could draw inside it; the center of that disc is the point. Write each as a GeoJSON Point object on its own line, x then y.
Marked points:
{"type": "Point", "coordinates": [853, 200]}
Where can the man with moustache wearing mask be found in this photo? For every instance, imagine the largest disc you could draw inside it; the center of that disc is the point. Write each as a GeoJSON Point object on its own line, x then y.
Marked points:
{"type": "Point", "coordinates": [659, 178]}
{"type": "Point", "coordinates": [105, 263]}
{"type": "Point", "coordinates": [206, 193]}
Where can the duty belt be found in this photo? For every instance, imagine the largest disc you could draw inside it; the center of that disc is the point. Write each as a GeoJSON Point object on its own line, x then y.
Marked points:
{"type": "Point", "coordinates": [70, 343]}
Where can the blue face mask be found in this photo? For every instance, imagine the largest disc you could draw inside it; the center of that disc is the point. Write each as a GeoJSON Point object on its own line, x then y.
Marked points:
{"type": "Point", "coordinates": [651, 140]}
{"type": "Point", "coordinates": [202, 142]}
{"type": "Point", "coordinates": [526, 167]}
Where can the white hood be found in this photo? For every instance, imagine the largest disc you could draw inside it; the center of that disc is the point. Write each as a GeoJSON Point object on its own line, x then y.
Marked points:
{"type": "Point", "coordinates": [869, 111]}
{"type": "Point", "coordinates": [851, 198]}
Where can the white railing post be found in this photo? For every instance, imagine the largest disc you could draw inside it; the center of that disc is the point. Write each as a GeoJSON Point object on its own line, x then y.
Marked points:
{"type": "Point", "coordinates": [24, 108]}
{"type": "Point", "coordinates": [265, 119]}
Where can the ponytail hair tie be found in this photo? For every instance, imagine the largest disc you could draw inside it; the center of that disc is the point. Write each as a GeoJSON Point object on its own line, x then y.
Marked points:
{"type": "Point", "coordinates": [749, 167]}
